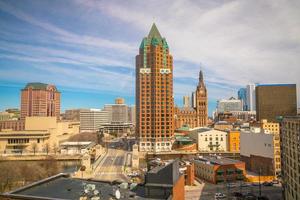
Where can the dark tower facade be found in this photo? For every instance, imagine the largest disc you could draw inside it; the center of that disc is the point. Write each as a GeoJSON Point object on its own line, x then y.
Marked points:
{"type": "Point", "coordinates": [154, 93]}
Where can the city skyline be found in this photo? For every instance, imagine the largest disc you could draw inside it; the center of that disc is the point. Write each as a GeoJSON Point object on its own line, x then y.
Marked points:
{"type": "Point", "coordinates": [85, 55]}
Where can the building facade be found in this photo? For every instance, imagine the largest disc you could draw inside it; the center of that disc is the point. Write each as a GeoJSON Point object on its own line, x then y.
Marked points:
{"type": "Point", "coordinates": [40, 134]}
{"type": "Point", "coordinates": [197, 115]}
{"type": "Point", "coordinates": [92, 119]}
{"type": "Point", "coordinates": [210, 140]}
{"type": "Point", "coordinates": [40, 99]}
{"type": "Point", "coordinates": [154, 93]}
{"type": "Point", "coordinates": [276, 100]}
{"type": "Point", "coordinates": [251, 97]}
{"type": "Point", "coordinates": [242, 95]}
{"type": "Point", "coordinates": [258, 152]}
{"type": "Point", "coordinates": [219, 170]}
{"type": "Point", "coordinates": [229, 105]}
{"type": "Point", "coordinates": [290, 156]}
{"type": "Point", "coordinates": [233, 138]}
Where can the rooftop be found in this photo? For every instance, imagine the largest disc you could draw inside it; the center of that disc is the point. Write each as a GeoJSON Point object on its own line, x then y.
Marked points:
{"type": "Point", "coordinates": [38, 86]}
{"type": "Point", "coordinates": [62, 186]}
{"type": "Point", "coordinates": [276, 85]}
{"type": "Point", "coordinates": [217, 160]}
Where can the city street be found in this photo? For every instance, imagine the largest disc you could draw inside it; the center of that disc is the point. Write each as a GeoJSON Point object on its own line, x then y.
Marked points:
{"type": "Point", "coordinates": [111, 165]}
{"type": "Point", "coordinates": [206, 191]}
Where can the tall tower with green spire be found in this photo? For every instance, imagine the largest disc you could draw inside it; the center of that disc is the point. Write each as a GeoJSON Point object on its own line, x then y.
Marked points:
{"type": "Point", "coordinates": [154, 93]}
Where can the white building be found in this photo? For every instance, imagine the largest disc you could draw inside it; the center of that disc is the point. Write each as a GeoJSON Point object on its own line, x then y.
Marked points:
{"type": "Point", "coordinates": [210, 140]}
{"type": "Point", "coordinates": [72, 148]}
{"type": "Point", "coordinates": [250, 92]}
{"type": "Point", "coordinates": [257, 150]}
{"type": "Point", "coordinates": [92, 119]}
{"type": "Point", "coordinates": [229, 105]}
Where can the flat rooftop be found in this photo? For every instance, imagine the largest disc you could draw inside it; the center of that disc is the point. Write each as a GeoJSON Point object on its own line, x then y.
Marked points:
{"type": "Point", "coordinates": [62, 186]}
{"type": "Point", "coordinates": [217, 160]}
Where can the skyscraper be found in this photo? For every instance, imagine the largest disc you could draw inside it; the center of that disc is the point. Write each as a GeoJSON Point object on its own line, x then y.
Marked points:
{"type": "Point", "coordinates": [186, 102]}
{"type": "Point", "coordinates": [275, 100]}
{"type": "Point", "coordinates": [40, 99]}
{"type": "Point", "coordinates": [242, 95]}
{"type": "Point", "coordinates": [251, 103]}
{"type": "Point", "coordinates": [290, 155]}
{"type": "Point", "coordinates": [154, 93]}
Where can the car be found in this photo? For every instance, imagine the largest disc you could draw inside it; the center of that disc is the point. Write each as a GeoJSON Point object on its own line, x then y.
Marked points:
{"type": "Point", "coordinates": [245, 185]}
{"type": "Point", "coordinates": [255, 184]}
{"type": "Point", "coordinates": [267, 183]}
{"type": "Point", "coordinates": [237, 194]}
{"type": "Point", "coordinates": [275, 181]}
{"type": "Point", "coordinates": [219, 196]}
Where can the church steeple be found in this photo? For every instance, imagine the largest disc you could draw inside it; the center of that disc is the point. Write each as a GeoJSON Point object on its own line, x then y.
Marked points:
{"type": "Point", "coordinates": [201, 79]}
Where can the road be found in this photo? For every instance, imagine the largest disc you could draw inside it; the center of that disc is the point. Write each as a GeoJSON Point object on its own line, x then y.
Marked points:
{"type": "Point", "coordinates": [110, 166]}
{"type": "Point", "coordinates": [207, 191]}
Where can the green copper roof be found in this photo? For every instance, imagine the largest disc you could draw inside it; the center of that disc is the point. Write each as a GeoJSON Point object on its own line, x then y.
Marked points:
{"type": "Point", "coordinates": [154, 33]}
{"type": "Point", "coordinates": [154, 38]}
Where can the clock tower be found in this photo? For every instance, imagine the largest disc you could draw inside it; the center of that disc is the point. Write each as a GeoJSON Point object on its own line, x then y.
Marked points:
{"type": "Point", "coordinates": [201, 102]}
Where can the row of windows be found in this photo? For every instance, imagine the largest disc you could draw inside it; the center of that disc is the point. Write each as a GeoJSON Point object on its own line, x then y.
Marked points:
{"type": "Point", "coordinates": [18, 141]}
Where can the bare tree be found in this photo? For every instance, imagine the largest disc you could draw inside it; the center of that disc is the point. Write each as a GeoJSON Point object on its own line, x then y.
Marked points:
{"type": "Point", "coordinates": [55, 148]}
{"type": "Point", "coordinates": [47, 147]}
{"type": "Point", "coordinates": [34, 147]}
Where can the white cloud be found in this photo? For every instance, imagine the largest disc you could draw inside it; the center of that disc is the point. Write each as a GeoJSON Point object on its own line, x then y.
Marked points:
{"type": "Point", "coordinates": [238, 42]}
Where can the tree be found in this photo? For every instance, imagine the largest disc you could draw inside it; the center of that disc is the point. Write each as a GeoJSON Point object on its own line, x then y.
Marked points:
{"type": "Point", "coordinates": [55, 148]}
{"type": "Point", "coordinates": [34, 147]}
{"type": "Point", "coordinates": [47, 148]}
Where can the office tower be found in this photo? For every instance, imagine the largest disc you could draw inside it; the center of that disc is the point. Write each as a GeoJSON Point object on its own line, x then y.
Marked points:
{"type": "Point", "coordinates": [92, 119]}
{"type": "Point", "coordinates": [194, 100]}
{"type": "Point", "coordinates": [275, 100]}
{"type": "Point", "coordinates": [250, 96]}
{"type": "Point", "coordinates": [290, 155]}
{"type": "Point", "coordinates": [242, 95]}
{"type": "Point", "coordinates": [229, 105]}
{"type": "Point", "coordinates": [154, 93]}
{"type": "Point", "coordinates": [195, 116]}
{"type": "Point", "coordinates": [186, 101]}
{"type": "Point", "coordinates": [131, 114]}
{"type": "Point", "coordinates": [118, 112]}
{"type": "Point", "coordinates": [40, 99]}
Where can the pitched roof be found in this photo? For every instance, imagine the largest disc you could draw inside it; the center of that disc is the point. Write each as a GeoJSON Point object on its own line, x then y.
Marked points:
{"type": "Point", "coordinates": [154, 33]}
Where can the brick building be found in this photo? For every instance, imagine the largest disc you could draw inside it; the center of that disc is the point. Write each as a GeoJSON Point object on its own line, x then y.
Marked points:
{"type": "Point", "coordinates": [195, 116]}
{"type": "Point", "coordinates": [40, 99]}
{"type": "Point", "coordinates": [154, 93]}
{"type": "Point", "coordinates": [218, 169]}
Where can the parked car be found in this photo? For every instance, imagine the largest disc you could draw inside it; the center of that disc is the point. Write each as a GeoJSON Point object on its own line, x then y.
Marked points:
{"type": "Point", "coordinates": [237, 194]}
{"type": "Point", "coordinates": [219, 196]}
{"type": "Point", "coordinates": [267, 183]}
{"type": "Point", "coordinates": [245, 184]}
{"type": "Point", "coordinates": [255, 184]}
{"type": "Point", "coordinates": [275, 181]}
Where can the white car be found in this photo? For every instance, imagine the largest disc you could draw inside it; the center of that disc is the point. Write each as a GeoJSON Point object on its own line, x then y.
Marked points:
{"type": "Point", "coordinates": [219, 196]}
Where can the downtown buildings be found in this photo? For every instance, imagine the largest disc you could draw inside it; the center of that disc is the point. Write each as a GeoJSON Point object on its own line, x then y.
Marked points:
{"type": "Point", "coordinates": [195, 116]}
{"type": "Point", "coordinates": [154, 93]}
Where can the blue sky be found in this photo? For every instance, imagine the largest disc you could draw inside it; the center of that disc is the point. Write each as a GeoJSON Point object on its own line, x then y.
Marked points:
{"type": "Point", "coordinates": [87, 48]}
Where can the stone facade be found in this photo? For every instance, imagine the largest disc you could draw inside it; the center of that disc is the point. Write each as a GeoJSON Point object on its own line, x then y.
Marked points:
{"type": "Point", "coordinates": [195, 116]}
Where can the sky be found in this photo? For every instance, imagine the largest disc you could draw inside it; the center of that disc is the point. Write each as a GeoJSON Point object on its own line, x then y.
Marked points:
{"type": "Point", "coordinates": [87, 48]}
